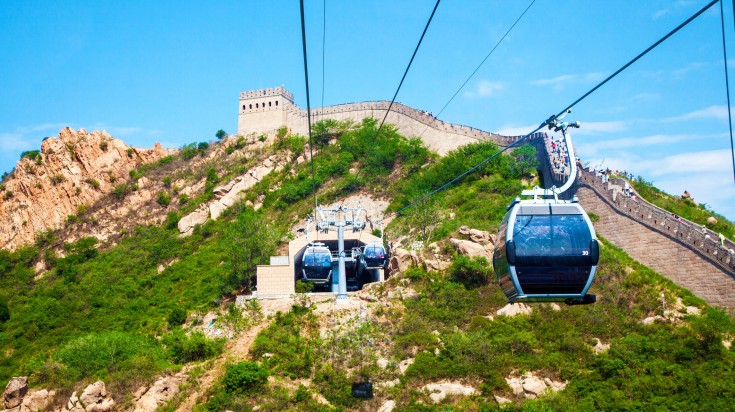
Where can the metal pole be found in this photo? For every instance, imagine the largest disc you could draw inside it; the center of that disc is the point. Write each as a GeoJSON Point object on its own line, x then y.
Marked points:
{"type": "Point", "coordinates": [342, 287]}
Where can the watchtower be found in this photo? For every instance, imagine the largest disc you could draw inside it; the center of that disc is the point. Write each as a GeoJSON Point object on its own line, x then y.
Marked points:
{"type": "Point", "coordinates": [264, 110]}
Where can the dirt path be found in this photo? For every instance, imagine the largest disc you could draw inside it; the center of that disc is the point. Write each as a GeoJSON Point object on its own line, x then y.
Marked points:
{"type": "Point", "coordinates": [237, 350]}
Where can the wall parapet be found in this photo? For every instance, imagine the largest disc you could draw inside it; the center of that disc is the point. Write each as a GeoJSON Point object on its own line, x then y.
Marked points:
{"type": "Point", "coordinates": [704, 242]}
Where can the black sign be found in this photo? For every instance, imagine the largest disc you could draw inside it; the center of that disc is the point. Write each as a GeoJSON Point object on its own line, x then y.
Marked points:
{"type": "Point", "coordinates": [363, 390]}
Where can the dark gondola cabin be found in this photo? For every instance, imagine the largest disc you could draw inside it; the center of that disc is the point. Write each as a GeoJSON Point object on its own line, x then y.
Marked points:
{"type": "Point", "coordinates": [374, 256]}
{"type": "Point", "coordinates": [547, 250]}
{"type": "Point", "coordinates": [316, 264]}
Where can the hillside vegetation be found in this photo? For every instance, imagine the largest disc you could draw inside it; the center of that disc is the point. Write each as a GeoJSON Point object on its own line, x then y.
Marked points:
{"type": "Point", "coordinates": [125, 314]}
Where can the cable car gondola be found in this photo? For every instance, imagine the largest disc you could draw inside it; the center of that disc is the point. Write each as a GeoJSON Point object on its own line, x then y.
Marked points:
{"type": "Point", "coordinates": [316, 264]}
{"type": "Point", "coordinates": [547, 249]}
{"type": "Point", "coordinates": [374, 256]}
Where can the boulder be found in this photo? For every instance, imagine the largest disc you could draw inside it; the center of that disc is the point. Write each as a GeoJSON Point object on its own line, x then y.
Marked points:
{"type": "Point", "coordinates": [440, 390]}
{"type": "Point", "coordinates": [15, 390]}
{"type": "Point", "coordinates": [73, 405]}
{"type": "Point", "coordinates": [437, 265]}
{"type": "Point", "coordinates": [471, 249]}
{"type": "Point", "coordinates": [37, 401]}
{"type": "Point", "coordinates": [501, 400]}
{"type": "Point", "coordinates": [601, 347]}
{"type": "Point", "coordinates": [187, 223]}
{"type": "Point", "coordinates": [404, 364]}
{"type": "Point", "coordinates": [387, 406]}
{"type": "Point", "coordinates": [515, 384]}
{"type": "Point", "coordinates": [402, 259]}
{"type": "Point", "coordinates": [534, 385]}
{"type": "Point", "coordinates": [513, 309]}
{"type": "Point", "coordinates": [479, 236]}
{"type": "Point", "coordinates": [161, 392]}
{"type": "Point", "coordinates": [95, 398]}
{"type": "Point", "coordinates": [711, 220]}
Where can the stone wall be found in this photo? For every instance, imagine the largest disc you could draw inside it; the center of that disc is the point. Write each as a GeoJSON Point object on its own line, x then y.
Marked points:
{"type": "Point", "coordinates": [439, 135]}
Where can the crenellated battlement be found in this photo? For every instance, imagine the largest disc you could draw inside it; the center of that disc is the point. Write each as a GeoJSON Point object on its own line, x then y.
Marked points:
{"type": "Point", "coordinates": [266, 110]}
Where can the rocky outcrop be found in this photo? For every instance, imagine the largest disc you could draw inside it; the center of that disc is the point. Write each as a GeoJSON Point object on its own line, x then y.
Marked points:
{"type": "Point", "coordinates": [439, 391]}
{"type": "Point", "coordinates": [531, 386]}
{"type": "Point", "coordinates": [226, 196]}
{"type": "Point", "coordinates": [75, 168]}
{"type": "Point", "coordinates": [480, 243]}
{"type": "Point", "coordinates": [161, 392]}
{"type": "Point", "coordinates": [514, 309]}
{"type": "Point", "coordinates": [15, 390]}
{"type": "Point", "coordinates": [94, 398]}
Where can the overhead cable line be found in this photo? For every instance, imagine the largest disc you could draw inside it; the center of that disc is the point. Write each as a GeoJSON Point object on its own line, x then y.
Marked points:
{"type": "Point", "coordinates": [547, 121]}
{"type": "Point", "coordinates": [308, 105]}
{"type": "Point", "coordinates": [399, 85]}
{"type": "Point", "coordinates": [324, 48]}
{"type": "Point", "coordinates": [727, 86]}
{"type": "Point", "coordinates": [481, 63]}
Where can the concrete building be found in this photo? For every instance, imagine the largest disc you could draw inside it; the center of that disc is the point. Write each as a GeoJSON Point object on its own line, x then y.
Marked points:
{"type": "Point", "coordinates": [279, 278]}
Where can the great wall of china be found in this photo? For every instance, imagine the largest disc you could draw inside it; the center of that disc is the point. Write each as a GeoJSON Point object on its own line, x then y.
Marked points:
{"type": "Point", "coordinates": [268, 109]}
{"type": "Point", "coordinates": [684, 252]}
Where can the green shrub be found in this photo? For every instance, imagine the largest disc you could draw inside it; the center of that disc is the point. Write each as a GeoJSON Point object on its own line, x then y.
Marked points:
{"type": "Point", "coordinates": [183, 348]}
{"type": "Point", "coordinates": [57, 178]}
{"type": "Point", "coordinates": [304, 287]}
{"type": "Point", "coordinates": [130, 151]}
{"type": "Point", "coordinates": [95, 184]}
{"type": "Point", "coordinates": [134, 174]}
{"type": "Point", "coordinates": [4, 310]}
{"type": "Point", "coordinates": [183, 199]}
{"type": "Point", "coordinates": [97, 355]}
{"type": "Point", "coordinates": [172, 220]}
{"type": "Point", "coordinates": [121, 190]}
{"type": "Point", "coordinates": [31, 154]}
{"type": "Point", "coordinates": [163, 198]}
{"type": "Point", "coordinates": [472, 272]}
{"type": "Point", "coordinates": [230, 150]}
{"type": "Point", "coordinates": [202, 147]}
{"type": "Point", "coordinates": [221, 134]}
{"type": "Point", "coordinates": [245, 377]}
{"type": "Point", "coordinates": [282, 132]}
{"type": "Point", "coordinates": [177, 316]}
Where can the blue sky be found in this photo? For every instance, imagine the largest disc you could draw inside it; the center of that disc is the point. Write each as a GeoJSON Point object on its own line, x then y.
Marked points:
{"type": "Point", "coordinates": [172, 71]}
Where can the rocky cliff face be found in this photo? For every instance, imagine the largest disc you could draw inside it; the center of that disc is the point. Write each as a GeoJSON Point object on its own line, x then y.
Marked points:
{"type": "Point", "coordinates": [75, 168]}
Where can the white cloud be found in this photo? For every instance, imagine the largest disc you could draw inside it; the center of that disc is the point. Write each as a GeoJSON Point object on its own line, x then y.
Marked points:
{"type": "Point", "coordinates": [13, 142]}
{"type": "Point", "coordinates": [486, 88]}
{"type": "Point", "coordinates": [560, 82]}
{"type": "Point", "coordinates": [689, 68]}
{"type": "Point", "coordinates": [614, 146]}
{"type": "Point", "coordinates": [707, 175]}
{"type": "Point", "coordinates": [600, 127]}
{"type": "Point", "coordinates": [660, 13]}
{"type": "Point", "coordinates": [511, 130]}
{"type": "Point", "coordinates": [27, 137]}
{"type": "Point", "coordinates": [717, 112]}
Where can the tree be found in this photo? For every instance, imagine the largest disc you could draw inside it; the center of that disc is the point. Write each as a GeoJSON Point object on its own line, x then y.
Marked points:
{"type": "Point", "coordinates": [4, 310]}
{"type": "Point", "coordinates": [525, 160]}
{"type": "Point", "coordinates": [221, 134]}
{"type": "Point", "coordinates": [250, 241]}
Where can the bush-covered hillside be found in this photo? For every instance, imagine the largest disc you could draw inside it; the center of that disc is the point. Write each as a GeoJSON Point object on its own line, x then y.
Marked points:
{"type": "Point", "coordinates": [116, 313]}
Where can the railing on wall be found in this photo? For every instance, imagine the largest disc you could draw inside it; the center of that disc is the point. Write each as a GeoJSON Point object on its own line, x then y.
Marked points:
{"type": "Point", "coordinates": [423, 117]}
{"type": "Point", "coordinates": [703, 241]}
